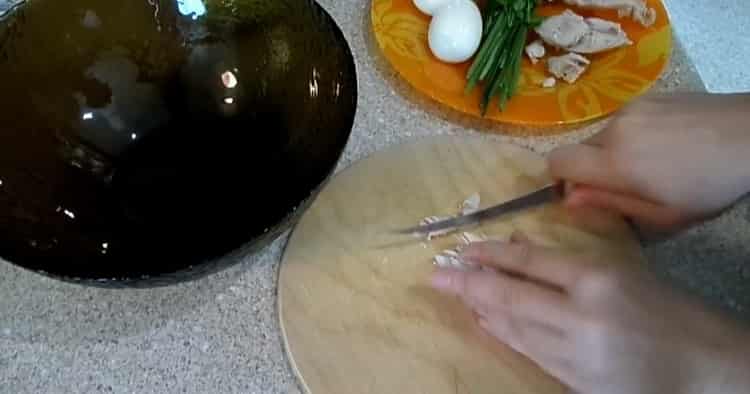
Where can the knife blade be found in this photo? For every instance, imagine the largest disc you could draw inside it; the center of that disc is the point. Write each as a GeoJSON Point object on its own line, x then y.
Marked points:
{"type": "Point", "coordinates": [547, 194]}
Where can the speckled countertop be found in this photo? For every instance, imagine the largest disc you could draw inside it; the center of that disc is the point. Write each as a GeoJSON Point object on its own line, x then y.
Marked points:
{"type": "Point", "coordinates": [722, 65]}
{"type": "Point", "coordinates": [220, 334]}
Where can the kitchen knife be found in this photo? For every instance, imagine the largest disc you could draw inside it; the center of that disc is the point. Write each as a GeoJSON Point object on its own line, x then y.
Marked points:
{"type": "Point", "coordinates": [547, 194]}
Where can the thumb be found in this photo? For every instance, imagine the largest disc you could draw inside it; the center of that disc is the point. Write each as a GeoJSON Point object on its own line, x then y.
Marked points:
{"type": "Point", "coordinates": [646, 213]}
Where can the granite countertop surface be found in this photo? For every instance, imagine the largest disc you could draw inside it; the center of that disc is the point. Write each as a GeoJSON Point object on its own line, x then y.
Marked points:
{"type": "Point", "coordinates": [722, 65]}
{"type": "Point", "coordinates": [220, 334]}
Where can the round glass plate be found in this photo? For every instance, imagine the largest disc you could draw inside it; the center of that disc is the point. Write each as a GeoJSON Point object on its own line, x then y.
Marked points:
{"type": "Point", "coordinates": [613, 79]}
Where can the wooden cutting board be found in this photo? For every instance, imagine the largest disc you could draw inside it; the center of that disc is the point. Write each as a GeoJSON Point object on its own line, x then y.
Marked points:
{"type": "Point", "coordinates": [356, 310]}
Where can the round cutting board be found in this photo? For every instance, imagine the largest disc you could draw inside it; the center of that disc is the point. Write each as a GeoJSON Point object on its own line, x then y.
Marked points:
{"type": "Point", "coordinates": [356, 310]}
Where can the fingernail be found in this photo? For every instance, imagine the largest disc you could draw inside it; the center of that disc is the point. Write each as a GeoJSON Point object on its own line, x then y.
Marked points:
{"type": "Point", "coordinates": [442, 280]}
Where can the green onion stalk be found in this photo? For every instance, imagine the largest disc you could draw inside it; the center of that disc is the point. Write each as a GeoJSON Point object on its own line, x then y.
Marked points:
{"type": "Point", "coordinates": [498, 62]}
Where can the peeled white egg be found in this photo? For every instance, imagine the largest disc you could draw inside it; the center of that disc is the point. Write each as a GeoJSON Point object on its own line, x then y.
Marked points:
{"type": "Point", "coordinates": [429, 7]}
{"type": "Point", "coordinates": [455, 31]}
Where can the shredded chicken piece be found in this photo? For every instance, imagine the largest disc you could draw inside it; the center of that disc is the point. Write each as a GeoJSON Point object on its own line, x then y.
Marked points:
{"type": "Point", "coordinates": [452, 259]}
{"type": "Point", "coordinates": [467, 207]}
{"type": "Point", "coordinates": [433, 219]}
{"type": "Point", "coordinates": [572, 32]}
{"type": "Point", "coordinates": [535, 51]}
{"type": "Point", "coordinates": [638, 10]}
{"type": "Point", "coordinates": [549, 83]}
{"type": "Point", "coordinates": [448, 259]}
{"type": "Point", "coordinates": [604, 35]}
{"type": "Point", "coordinates": [471, 204]}
{"type": "Point", "coordinates": [568, 67]}
{"type": "Point", "coordinates": [468, 238]}
{"type": "Point", "coordinates": [563, 30]}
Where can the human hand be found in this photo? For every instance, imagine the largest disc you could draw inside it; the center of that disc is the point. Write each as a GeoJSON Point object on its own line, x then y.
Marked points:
{"type": "Point", "coordinates": [599, 328]}
{"type": "Point", "coordinates": [665, 162]}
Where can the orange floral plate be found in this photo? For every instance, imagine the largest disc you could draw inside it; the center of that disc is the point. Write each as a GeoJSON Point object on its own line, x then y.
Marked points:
{"type": "Point", "coordinates": [613, 79]}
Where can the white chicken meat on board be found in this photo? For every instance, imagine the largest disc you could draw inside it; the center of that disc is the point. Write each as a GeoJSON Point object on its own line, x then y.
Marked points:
{"type": "Point", "coordinates": [574, 33]}
{"type": "Point", "coordinates": [638, 10]}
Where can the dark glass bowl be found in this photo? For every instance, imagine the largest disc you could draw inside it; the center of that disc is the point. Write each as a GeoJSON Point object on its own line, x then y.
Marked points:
{"type": "Point", "coordinates": [143, 140]}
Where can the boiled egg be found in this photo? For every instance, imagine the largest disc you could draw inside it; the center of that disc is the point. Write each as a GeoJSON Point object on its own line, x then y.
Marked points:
{"type": "Point", "coordinates": [429, 7]}
{"type": "Point", "coordinates": [455, 31]}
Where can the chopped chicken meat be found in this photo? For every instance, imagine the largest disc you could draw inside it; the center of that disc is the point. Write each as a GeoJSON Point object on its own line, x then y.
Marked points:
{"type": "Point", "coordinates": [604, 35]}
{"type": "Point", "coordinates": [451, 259]}
{"type": "Point", "coordinates": [471, 204]}
{"type": "Point", "coordinates": [535, 51]}
{"type": "Point", "coordinates": [433, 219]}
{"type": "Point", "coordinates": [574, 33]}
{"type": "Point", "coordinates": [549, 83]}
{"type": "Point", "coordinates": [638, 10]}
{"type": "Point", "coordinates": [468, 206]}
{"type": "Point", "coordinates": [468, 238]}
{"type": "Point", "coordinates": [563, 30]}
{"type": "Point", "coordinates": [568, 67]}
